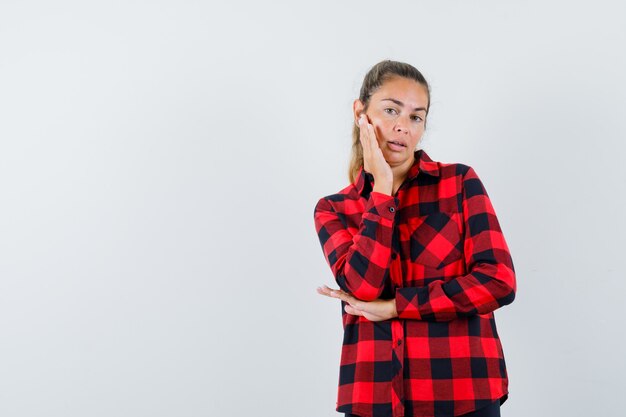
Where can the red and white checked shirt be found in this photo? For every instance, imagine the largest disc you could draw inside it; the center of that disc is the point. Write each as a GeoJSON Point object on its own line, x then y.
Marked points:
{"type": "Point", "coordinates": [436, 247]}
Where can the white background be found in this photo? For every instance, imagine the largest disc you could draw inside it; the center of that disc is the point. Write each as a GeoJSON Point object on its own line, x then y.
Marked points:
{"type": "Point", "coordinates": [160, 162]}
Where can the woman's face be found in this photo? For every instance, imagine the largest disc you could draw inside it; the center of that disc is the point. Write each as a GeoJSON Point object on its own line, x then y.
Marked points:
{"type": "Point", "coordinates": [397, 110]}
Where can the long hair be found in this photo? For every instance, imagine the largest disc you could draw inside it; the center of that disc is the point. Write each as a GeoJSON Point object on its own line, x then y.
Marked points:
{"type": "Point", "coordinates": [375, 78]}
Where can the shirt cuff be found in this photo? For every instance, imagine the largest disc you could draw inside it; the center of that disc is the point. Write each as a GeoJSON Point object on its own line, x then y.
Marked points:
{"type": "Point", "coordinates": [407, 303]}
{"type": "Point", "coordinates": [382, 204]}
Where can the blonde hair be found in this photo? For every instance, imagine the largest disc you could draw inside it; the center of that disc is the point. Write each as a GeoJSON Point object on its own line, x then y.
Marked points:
{"type": "Point", "coordinates": [375, 78]}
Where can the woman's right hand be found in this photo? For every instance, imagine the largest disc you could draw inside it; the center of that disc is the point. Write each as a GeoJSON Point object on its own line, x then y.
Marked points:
{"type": "Point", "coordinates": [373, 158]}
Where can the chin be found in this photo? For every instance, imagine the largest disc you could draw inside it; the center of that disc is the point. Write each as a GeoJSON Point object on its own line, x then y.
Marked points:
{"type": "Point", "coordinates": [391, 153]}
{"type": "Point", "coordinates": [397, 158]}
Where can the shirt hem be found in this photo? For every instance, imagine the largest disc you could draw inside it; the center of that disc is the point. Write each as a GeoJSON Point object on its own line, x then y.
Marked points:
{"type": "Point", "coordinates": [351, 409]}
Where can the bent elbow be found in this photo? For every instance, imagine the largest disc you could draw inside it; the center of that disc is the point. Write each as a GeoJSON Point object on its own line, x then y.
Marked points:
{"type": "Point", "coordinates": [364, 291]}
{"type": "Point", "coordinates": [507, 299]}
{"type": "Point", "coordinates": [510, 284]}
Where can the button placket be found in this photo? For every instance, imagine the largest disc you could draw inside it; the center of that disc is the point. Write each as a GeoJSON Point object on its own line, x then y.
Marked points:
{"type": "Point", "coordinates": [397, 382]}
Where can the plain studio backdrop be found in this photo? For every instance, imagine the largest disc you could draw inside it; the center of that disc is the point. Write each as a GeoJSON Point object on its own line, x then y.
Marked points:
{"type": "Point", "coordinates": [160, 162]}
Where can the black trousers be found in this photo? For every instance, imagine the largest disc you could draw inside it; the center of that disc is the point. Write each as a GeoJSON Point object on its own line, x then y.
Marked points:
{"type": "Point", "coordinates": [492, 410]}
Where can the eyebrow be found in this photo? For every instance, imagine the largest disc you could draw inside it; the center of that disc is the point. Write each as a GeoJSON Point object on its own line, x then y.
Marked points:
{"type": "Point", "coordinates": [399, 103]}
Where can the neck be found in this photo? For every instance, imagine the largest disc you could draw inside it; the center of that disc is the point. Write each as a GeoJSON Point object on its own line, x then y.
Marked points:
{"type": "Point", "coordinates": [400, 172]}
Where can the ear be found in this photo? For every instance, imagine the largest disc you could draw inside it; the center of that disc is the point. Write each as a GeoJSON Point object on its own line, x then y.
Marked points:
{"type": "Point", "coordinates": [357, 108]}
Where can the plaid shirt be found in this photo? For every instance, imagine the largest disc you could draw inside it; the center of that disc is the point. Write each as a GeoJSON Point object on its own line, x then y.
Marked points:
{"type": "Point", "coordinates": [437, 248]}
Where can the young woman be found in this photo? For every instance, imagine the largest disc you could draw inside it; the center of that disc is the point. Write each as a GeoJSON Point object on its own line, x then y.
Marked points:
{"type": "Point", "coordinates": [421, 263]}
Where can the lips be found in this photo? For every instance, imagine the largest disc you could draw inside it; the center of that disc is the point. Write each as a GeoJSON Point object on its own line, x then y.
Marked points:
{"type": "Point", "coordinates": [396, 145]}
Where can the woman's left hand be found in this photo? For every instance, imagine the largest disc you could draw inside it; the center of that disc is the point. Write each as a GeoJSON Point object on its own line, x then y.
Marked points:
{"type": "Point", "coordinates": [375, 310]}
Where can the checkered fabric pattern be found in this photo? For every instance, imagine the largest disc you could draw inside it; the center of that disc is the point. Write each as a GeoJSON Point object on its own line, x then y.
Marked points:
{"type": "Point", "coordinates": [436, 247]}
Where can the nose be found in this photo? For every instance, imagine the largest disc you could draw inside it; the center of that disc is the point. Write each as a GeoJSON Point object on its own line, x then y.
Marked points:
{"type": "Point", "coordinates": [402, 125]}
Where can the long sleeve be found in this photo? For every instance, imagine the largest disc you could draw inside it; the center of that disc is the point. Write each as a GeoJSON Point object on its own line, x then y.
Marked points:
{"type": "Point", "coordinates": [491, 281]}
{"type": "Point", "coordinates": [360, 261]}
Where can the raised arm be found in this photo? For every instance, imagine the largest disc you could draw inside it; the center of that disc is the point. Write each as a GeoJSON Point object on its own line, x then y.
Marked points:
{"type": "Point", "coordinates": [491, 281]}
{"type": "Point", "coordinates": [359, 262]}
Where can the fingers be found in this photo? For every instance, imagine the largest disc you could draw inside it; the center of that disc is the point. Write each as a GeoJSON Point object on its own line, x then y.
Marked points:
{"type": "Point", "coordinates": [364, 136]}
{"type": "Point", "coordinates": [345, 297]}
{"type": "Point", "coordinates": [372, 153]}
{"type": "Point", "coordinates": [356, 312]}
{"type": "Point", "coordinates": [354, 306]}
{"type": "Point", "coordinates": [342, 295]}
{"type": "Point", "coordinates": [324, 290]}
{"type": "Point", "coordinates": [332, 293]}
{"type": "Point", "coordinates": [368, 132]}
{"type": "Point", "coordinates": [351, 310]}
{"type": "Point", "coordinates": [372, 137]}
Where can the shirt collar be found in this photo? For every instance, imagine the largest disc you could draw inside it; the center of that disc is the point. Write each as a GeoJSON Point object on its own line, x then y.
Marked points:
{"type": "Point", "coordinates": [423, 163]}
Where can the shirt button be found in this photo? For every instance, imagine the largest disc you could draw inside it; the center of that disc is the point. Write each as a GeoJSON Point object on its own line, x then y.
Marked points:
{"type": "Point", "coordinates": [394, 255]}
{"type": "Point", "coordinates": [392, 209]}
{"type": "Point", "coordinates": [399, 342]}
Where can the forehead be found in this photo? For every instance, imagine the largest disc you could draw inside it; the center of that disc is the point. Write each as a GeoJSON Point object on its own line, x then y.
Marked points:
{"type": "Point", "coordinates": [409, 92]}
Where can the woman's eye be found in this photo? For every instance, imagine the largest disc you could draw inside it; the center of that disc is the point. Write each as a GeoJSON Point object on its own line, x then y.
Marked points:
{"type": "Point", "coordinates": [393, 110]}
{"type": "Point", "coordinates": [417, 118]}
